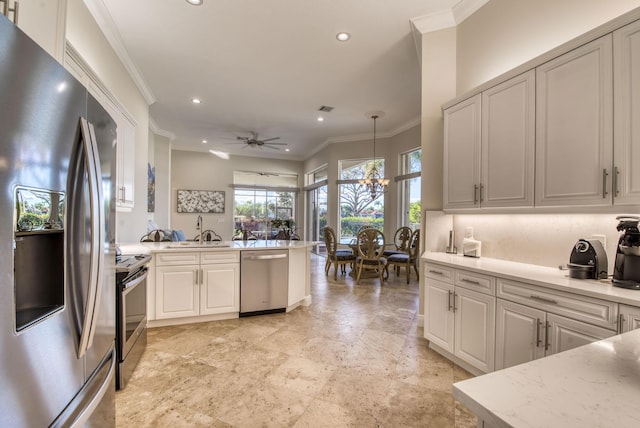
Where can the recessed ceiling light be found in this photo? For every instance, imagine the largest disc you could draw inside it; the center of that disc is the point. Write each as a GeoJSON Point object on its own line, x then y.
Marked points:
{"type": "Point", "coordinates": [287, 150]}
{"type": "Point", "coordinates": [320, 119]}
{"type": "Point", "coordinates": [204, 141]}
{"type": "Point", "coordinates": [196, 100]}
{"type": "Point", "coordinates": [343, 37]}
{"type": "Point", "coordinates": [195, 2]}
{"type": "Point", "coordinates": [221, 155]}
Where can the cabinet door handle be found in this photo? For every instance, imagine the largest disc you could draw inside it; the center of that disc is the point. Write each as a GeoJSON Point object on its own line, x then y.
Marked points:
{"type": "Point", "coordinates": [470, 281]}
{"type": "Point", "coordinates": [546, 336]}
{"type": "Point", "coordinates": [475, 194]}
{"type": "Point", "coordinates": [615, 178]}
{"type": "Point", "coordinates": [538, 325]}
{"type": "Point", "coordinates": [604, 183]}
{"type": "Point", "coordinates": [481, 187]}
{"type": "Point", "coordinates": [543, 299]}
{"type": "Point", "coordinates": [195, 277]}
{"type": "Point", "coordinates": [620, 323]}
{"type": "Point", "coordinates": [455, 308]}
{"type": "Point", "coordinates": [449, 301]}
{"type": "Point", "coordinates": [437, 272]}
{"type": "Point", "coordinates": [201, 276]}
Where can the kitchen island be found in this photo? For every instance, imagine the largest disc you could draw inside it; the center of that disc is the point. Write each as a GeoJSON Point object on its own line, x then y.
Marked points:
{"type": "Point", "coordinates": [191, 282]}
{"type": "Point", "coordinates": [596, 385]}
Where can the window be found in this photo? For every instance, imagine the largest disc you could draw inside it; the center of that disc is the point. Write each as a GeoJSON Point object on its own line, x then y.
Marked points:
{"type": "Point", "coordinates": [255, 206]}
{"type": "Point", "coordinates": [357, 206]}
{"type": "Point", "coordinates": [409, 189]}
{"type": "Point", "coordinates": [316, 206]}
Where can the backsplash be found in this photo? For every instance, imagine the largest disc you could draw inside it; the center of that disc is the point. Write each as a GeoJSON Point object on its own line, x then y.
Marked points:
{"type": "Point", "coordinates": [540, 239]}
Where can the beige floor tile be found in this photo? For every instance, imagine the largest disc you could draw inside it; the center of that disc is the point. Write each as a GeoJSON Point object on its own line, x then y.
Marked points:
{"type": "Point", "coordinates": [355, 357]}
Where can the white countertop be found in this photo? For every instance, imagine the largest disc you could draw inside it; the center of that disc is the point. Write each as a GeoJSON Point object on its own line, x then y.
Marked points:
{"type": "Point", "coordinates": [538, 275]}
{"type": "Point", "coordinates": [154, 247]}
{"type": "Point", "coordinates": [596, 385]}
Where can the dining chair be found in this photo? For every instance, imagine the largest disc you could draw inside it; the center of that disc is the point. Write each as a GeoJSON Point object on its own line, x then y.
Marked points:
{"type": "Point", "coordinates": [401, 242]}
{"type": "Point", "coordinates": [406, 259]}
{"type": "Point", "coordinates": [208, 236]}
{"type": "Point", "coordinates": [336, 257]}
{"type": "Point", "coordinates": [369, 242]}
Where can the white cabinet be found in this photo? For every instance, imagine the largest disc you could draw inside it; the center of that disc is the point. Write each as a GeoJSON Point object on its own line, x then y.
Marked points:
{"type": "Point", "coordinates": [462, 154]}
{"type": "Point", "coordinates": [626, 153]}
{"type": "Point", "coordinates": [489, 147]}
{"type": "Point", "coordinates": [219, 288]}
{"type": "Point", "coordinates": [126, 127]}
{"type": "Point", "coordinates": [519, 334]}
{"type": "Point", "coordinates": [191, 284]}
{"type": "Point", "coordinates": [508, 143]}
{"type": "Point", "coordinates": [532, 322]}
{"type": "Point", "coordinates": [43, 21]}
{"type": "Point", "coordinates": [574, 127]}
{"type": "Point", "coordinates": [629, 318]}
{"type": "Point", "coordinates": [177, 291]}
{"type": "Point", "coordinates": [460, 314]}
{"type": "Point", "coordinates": [474, 328]}
{"type": "Point", "coordinates": [439, 316]}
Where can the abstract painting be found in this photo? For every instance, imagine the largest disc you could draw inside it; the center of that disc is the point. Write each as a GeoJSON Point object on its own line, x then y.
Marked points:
{"type": "Point", "coordinates": [200, 201]}
{"type": "Point", "coordinates": [151, 188]}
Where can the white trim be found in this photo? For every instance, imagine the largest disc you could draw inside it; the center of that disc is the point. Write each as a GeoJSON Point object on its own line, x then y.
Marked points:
{"type": "Point", "coordinates": [153, 126]}
{"type": "Point", "coordinates": [446, 18]}
{"type": "Point", "coordinates": [100, 13]}
{"type": "Point", "coordinates": [466, 8]}
{"type": "Point", "coordinates": [75, 56]}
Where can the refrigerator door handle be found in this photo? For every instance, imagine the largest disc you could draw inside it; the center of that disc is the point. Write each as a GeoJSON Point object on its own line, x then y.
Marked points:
{"type": "Point", "coordinates": [96, 264]}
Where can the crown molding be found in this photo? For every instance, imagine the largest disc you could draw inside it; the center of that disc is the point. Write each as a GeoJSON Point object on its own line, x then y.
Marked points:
{"type": "Point", "coordinates": [153, 126]}
{"type": "Point", "coordinates": [446, 18]}
{"type": "Point", "coordinates": [100, 13]}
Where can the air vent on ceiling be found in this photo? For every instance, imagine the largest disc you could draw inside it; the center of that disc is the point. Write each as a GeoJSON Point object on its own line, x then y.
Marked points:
{"type": "Point", "coordinates": [325, 109]}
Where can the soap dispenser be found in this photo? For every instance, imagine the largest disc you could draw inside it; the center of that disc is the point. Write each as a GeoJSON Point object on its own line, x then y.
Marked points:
{"type": "Point", "coordinates": [470, 246]}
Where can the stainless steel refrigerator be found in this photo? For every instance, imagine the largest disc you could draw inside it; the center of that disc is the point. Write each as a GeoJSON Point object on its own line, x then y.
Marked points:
{"type": "Point", "coordinates": [57, 280]}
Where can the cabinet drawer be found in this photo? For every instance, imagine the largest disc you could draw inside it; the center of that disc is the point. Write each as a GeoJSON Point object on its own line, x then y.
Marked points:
{"type": "Point", "coordinates": [439, 272]}
{"type": "Point", "coordinates": [581, 308]}
{"type": "Point", "coordinates": [475, 281]}
{"type": "Point", "coordinates": [220, 257]}
{"type": "Point", "coordinates": [178, 258]}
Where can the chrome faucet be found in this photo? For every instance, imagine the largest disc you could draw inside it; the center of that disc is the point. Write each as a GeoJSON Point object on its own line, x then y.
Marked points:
{"type": "Point", "coordinates": [199, 227]}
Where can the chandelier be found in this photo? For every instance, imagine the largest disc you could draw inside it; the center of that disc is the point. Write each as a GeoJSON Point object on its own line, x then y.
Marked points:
{"type": "Point", "coordinates": [374, 184]}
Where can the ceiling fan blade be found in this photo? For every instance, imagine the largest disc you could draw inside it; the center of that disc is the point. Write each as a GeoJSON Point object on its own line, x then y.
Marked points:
{"type": "Point", "coordinates": [270, 139]}
{"type": "Point", "coordinates": [269, 147]}
{"type": "Point", "coordinates": [242, 138]}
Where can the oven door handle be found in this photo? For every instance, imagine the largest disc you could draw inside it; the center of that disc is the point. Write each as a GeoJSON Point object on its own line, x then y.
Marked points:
{"type": "Point", "coordinates": [131, 285]}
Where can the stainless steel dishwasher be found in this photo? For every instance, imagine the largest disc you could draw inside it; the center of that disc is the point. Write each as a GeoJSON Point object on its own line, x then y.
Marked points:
{"type": "Point", "coordinates": [264, 282]}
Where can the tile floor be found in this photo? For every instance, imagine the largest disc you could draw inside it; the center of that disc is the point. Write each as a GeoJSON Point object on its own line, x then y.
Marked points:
{"type": "Point", "coordinates": [354, 358]}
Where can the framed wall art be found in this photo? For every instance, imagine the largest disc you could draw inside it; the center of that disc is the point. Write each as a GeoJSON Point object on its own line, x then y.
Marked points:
{"type": "Point", "coordinates": [201, 201]}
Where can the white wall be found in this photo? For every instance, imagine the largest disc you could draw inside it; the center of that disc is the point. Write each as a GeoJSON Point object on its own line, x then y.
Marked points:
{"type": "Point", "coordinates": [506, 33]}
{"type": "Point", "coordinates": [84, 34]}
{"type": "Point", "coordinates": [204, 171]}
{"type": "Point", "coordinates": [162, 164]}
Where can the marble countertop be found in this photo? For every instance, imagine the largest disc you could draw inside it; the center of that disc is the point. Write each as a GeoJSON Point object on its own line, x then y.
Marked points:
{"type": "Point", "coordinates": [595, 385]}
{"type": "Point", "coordinates": [538, 275]}
{"type": "Point", "coordinates": [154, 247]}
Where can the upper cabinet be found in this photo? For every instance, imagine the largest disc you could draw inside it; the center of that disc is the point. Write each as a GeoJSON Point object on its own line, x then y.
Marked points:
{"type": "Point", "coordinates": [574, 139]}
{"type": "Point", "coordinates": [462, 154]}
{"type": "Point", "coordinates": [43, 21]}
{"type": "Point", "coordinates": [508, 143]}
{"type": "Point", "coordinates": [564, 133]}
{"type": "Point", "coordinates": [489, 147]}
{"type": "Point", "coordinates": [126, 127]}
{"type": "Point", "coordinates": [626, 152]}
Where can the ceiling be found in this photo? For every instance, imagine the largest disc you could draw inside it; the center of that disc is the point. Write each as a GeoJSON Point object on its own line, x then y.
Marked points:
{"type": "Point", "coordinates": [268, 66]}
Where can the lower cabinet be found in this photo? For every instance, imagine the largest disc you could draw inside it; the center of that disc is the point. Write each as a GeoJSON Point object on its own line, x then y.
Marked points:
{"type": "Point", "coordinates": [524, 333]}
{"type": "Point", "coordinates": [629, 318]}
{"type": "Point", "coordinates": [210, 286]}
{"type": "Point", "coordinates": [459, 319]}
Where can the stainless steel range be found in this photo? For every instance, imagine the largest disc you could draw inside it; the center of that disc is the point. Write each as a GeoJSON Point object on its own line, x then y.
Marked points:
{"type": "Point", "coordinates": [131, 313]}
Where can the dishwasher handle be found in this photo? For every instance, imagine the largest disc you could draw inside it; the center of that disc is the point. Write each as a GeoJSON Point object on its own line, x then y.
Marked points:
{"type": "Point", "coordinates": [266, 257]}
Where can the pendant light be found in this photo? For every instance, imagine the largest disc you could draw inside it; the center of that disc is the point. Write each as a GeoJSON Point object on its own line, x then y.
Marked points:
{"type": "Point", "coordinates": [375, 184]}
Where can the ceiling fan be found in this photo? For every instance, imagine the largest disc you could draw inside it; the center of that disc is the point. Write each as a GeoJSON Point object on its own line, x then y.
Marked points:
{"type": "Point", "coordinates": [255, 142]}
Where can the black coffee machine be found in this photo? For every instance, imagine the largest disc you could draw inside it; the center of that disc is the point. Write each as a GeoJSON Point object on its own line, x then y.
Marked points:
{"type": "Point", "coordinates": [626, 272]}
